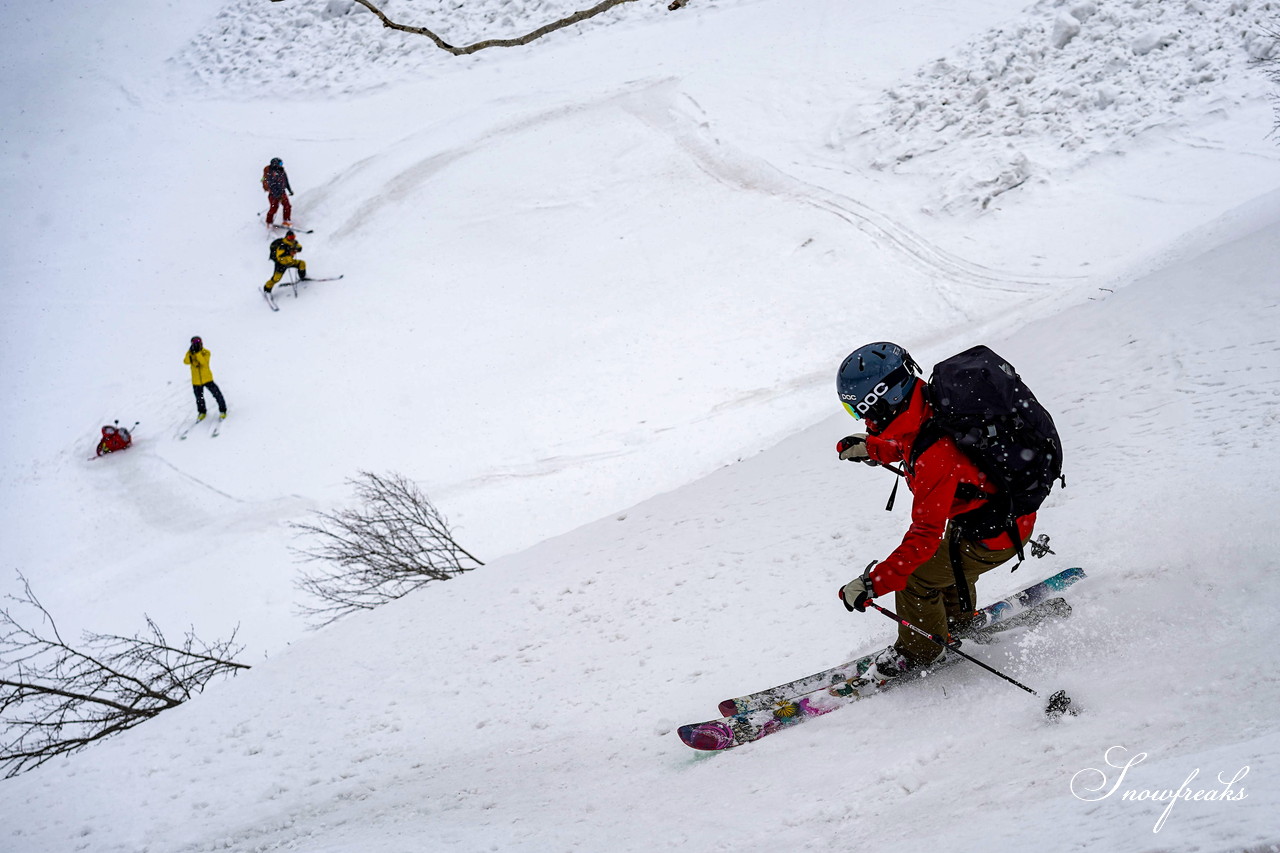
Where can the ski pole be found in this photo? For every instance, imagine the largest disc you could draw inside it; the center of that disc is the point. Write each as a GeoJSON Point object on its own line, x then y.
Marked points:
{"type": "Point", "coordinates": [1058, 702]}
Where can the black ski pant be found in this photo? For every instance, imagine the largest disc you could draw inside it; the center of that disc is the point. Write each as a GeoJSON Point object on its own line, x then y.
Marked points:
{"type": "Point", "coordinates": [217, 395]}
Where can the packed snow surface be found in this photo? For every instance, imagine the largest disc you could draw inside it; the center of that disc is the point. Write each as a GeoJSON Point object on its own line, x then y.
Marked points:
{"type": "Point", "coordinates": [595, 293]}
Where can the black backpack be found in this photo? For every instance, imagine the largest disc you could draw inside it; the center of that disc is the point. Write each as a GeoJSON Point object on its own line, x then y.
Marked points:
{"type": "Point", "coordinates": [982, 404]}
{"type": "Point", "coordinates": [275, 244]}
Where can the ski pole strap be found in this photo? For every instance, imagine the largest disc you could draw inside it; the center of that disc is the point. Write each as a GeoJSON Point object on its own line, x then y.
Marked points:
{"type": "Point", "coordinates": [1016, 538]}
{"type": "Point", "coordinates": [954, 647]}
{"type": "Point", "coordinates": [962, 583]}
{"type": "Point", "coordinates": [893, 495]}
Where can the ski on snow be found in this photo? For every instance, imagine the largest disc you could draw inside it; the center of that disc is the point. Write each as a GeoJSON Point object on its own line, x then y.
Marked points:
{"type": "Point", "coordinates": [187, 429]}
{"type": "Point", "coordinates": [271, 300]}
{"type": "Point", "coordinates": [1002, 613]}
{"type": "Point", "coordinates": [751, 717]}
{"type": "Point", "coordinates": [296, 284]}
{"type": "Point", "coordinates": [213, 432]}
{"type": "Point", "coordinates": [294, 228]}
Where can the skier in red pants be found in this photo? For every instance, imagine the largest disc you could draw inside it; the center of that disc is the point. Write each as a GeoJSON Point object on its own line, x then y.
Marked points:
{"type": "Point", "coordinates": [276, 182]}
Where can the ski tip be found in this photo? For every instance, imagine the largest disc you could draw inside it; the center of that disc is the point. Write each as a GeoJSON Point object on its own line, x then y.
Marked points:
{"type": "Point", "coordinates": [728, 707]}
{"type": "Point", "coordinates": [706, 736]}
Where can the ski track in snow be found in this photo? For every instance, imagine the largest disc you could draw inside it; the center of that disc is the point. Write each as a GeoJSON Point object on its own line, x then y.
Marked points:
{"type": "Point", "coordinates": [661, 106]}
{"type": "Point", "coordinates": [653, 103]}
{"type": "Point", "coordinates": [692, 130]}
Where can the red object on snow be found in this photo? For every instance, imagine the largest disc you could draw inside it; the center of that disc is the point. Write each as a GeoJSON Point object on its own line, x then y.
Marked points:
{"type": "Point", "coordinates": [113, 439]}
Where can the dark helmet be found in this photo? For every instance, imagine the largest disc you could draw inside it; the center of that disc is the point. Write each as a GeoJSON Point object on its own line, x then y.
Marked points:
{"type": "Point", "coordinates": [276, 161]}
{"type": "Point", "coordinates": [288, 235]}
{"type": "Point", "coordinates": [196, 342]}
{"type": "Point", "coordinates": [875, 382]}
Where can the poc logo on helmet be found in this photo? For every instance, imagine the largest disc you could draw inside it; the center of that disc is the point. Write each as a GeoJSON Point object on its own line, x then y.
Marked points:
{"type": "Point", "coordinates": [872, 398]}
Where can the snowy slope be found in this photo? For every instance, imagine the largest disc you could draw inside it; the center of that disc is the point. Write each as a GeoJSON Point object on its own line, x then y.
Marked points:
{"type": "Point", "coordinates": [517, 330]}
{"type": "Point", "coordinates": [580, 278]}
{"type": "Point", "coordinates": [531, 706]}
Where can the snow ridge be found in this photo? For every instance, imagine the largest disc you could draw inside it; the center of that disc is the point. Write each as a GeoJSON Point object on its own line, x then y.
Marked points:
{"type": "Point", "coordinates": [256, 49]}
{"type": "Point", "coordinates": [1069, 80]}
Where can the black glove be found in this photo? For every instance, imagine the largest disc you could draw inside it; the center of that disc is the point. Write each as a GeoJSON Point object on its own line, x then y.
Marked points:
{"type": "Point", "coordinates": [857, 592]}
{"type": "Point", "coordinates": [853, 448]}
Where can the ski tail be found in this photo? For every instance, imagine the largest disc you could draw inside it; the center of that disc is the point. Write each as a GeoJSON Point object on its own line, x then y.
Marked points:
{"type": "Point", "coordinates": [710, 736]}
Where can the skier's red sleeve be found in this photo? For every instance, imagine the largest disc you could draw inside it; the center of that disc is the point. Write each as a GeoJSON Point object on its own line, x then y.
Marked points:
{"type": "Point", "coordinates": [933, 485]}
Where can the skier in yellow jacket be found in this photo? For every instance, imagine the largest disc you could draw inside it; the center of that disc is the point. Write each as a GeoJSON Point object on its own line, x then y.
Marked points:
{"type": "Point", "coordinates": [202, 377]}
{"type": "Point", "coordinates": [282, 253]}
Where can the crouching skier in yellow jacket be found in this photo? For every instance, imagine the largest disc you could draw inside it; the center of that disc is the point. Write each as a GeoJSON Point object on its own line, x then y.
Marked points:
{"type": "Point", "coordinates": [283, 250]}
{"type": "Point", "coordinates": [202, 377]}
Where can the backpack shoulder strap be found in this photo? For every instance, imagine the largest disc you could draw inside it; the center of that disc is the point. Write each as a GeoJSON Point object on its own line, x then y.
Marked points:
{"type": "Point", "coordinates": [930, 431]}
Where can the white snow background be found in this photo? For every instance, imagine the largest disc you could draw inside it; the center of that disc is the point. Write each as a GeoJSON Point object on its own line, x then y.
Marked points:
{"type": "Point", "coordinates": [596, 292]}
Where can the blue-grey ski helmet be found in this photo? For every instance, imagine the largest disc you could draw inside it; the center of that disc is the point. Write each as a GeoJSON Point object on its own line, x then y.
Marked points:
{"type": "Point", "coordinates": [875, 381]}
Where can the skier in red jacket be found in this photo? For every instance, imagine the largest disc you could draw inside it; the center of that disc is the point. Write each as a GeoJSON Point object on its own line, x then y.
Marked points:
{"type": "Point", "coordinates": [880, 385]}
{"type": "Point", "coordinates": [275, 181]}
{"type": "Point", "coordinates": [114, 438]}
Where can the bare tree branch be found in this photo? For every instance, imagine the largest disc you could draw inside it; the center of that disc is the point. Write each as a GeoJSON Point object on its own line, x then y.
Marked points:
{"type": "Point", "coordinates": [56, 698]}
{"type": "Point", "coordinates": [567, 21]}
{"type": "Point", "coordinates": [393, 543]}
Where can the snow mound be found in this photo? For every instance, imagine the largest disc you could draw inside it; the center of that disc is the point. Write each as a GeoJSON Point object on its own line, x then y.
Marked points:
{"type": "Point", "coordinates": [337, 47]}
{"type": "Point", "coordinates": [1069, 80]}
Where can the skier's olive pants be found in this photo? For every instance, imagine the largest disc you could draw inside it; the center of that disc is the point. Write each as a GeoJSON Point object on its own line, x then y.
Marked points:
{"type": "Point", "coordinates": [213, 389]}
{"type": "Point", "coordinates": [281, 266]}
{"type": "Point", "coordinates": [931, 600]}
